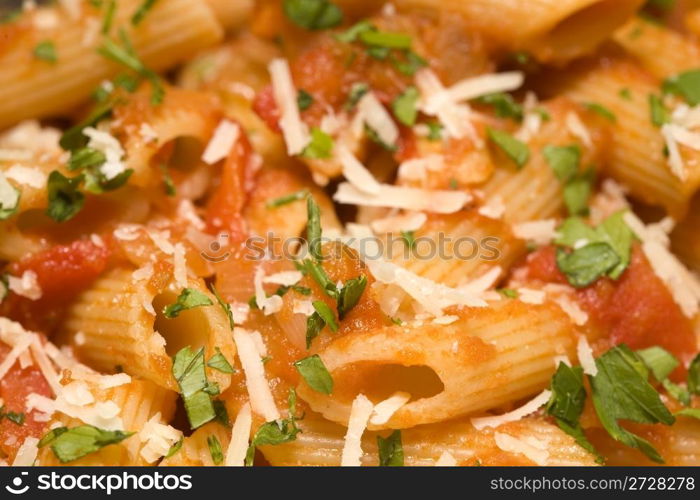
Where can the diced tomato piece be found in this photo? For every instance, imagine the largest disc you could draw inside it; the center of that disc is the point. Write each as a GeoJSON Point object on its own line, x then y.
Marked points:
{"type": "Point", "coordinates": [407, 146]}
{"type": "Point", "coordinates": [63, 271]}
{"type": "Point", "coordinates": [327, 70]}
{"type": "Point", "coordinates": [266, 108]}
{"type": "Point", "coordinates": [637, 310]}
{"type": "Point", "coordinates": [224, 212]}
{"type": "Point", "coordinates": [15, 386]}
{"type": "Point", "coordinates": [542, 266]}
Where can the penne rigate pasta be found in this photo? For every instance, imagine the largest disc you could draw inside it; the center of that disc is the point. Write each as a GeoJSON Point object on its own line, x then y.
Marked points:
{"type": "Point", "coordinates": [663, 52]}
{"type": "Point", "coordinates": [35, 88]}
{"type": "Point", "coordinates": [552, 31]}
{"type": "Point", "coordinates": [321, 443]}
{"type": "Point", "coordinates": [139, 402]}
{"type": "Point", "coordinates": [196, 449]}
{"type": "Point", "coordinates": [477, 363]}
{"type": "Point", "coordinates": [120, 322]}
{"type": "Point", "coordinates": [637, 159]}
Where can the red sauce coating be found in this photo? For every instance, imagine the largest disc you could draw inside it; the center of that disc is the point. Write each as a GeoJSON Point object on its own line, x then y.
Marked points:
{"type": "Point", "coordinates": [224, 211]}
{"type": "Point", "coordinates": [637, 310]}
{"type": "Point", "coordinates": [63, 271]}
{"type": "Point", "coordinates": [15, 386]}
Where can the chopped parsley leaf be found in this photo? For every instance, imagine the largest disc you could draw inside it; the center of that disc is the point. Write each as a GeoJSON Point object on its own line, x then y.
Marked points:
{"type": "Point", "coordinates": [516, 150]}
{"type": "Point", "coordinates": [46, 51]}
{"type": "Point", "coordinates": [315, 374]}
{"type": "Point", "coordinates": [69, 444]}
{"type": "Point", "coordinates": [189, 298]}
{"type": "Point", "coordinates": [313, 14]}
{"type": "Point", "coordinates": [390, 450]}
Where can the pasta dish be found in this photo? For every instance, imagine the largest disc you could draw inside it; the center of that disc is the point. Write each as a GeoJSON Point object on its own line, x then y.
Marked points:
{"type": "Point", "coordinates": [349, 232]}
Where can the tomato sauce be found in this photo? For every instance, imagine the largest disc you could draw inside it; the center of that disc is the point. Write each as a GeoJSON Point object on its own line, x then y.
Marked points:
{"type": "Point", "coordinates": [63, 271]}
{"type": "Point", "coordinates": [637, 310]}
{"type": "Point", "coordinates": [327, 71]}
{"type": "Point", "coordinates": [15, 386]}
{"type": "Point", "coordinates": [225, 209]}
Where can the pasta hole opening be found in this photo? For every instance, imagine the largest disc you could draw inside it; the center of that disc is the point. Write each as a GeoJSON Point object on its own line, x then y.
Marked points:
{"type": "Point", "coordinates": [379, 381]}
{"type": "Point", "coordinates": [184, 330]}
{"type": "Point", "coordinates": [182, 153]}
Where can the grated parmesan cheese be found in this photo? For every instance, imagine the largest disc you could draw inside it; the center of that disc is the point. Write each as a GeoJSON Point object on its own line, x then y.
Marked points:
{"type": "Point", "coordinates": [532, 449]}
{"type": "Point", "coordinates": [143, 273]}
{"type": "Point", "coordinates": [494, 209]}
{"type": "Point", "coordinates": [97, 240]}
{"type": "Point", "coordinates": [180, 266]}
{"type": "Point", "coordinates": [416, 169]}
{"type": "Point", "coordinates": [360, 413]}
{"type": "Point", "coordinates": [29, 135]}
{"type": "Point", "coordinates": [578, 129]}
{"type": "Point", "coordinates": [9, 196]}
{"type": "Point", "coordinates": [26, 455]}
{"type": "Point", "coordinates": [104, 415]}
{"type": "Point", "coordinates": [286, 278]}
{"type": "Point", "coordinates": [259, 343]}
{"type": "Point", "coordinates": [446, 460]}
{"type": "Point", "coordinates": [295, 132]}
{"type": "Point", "coordinates": [411, 221]}
{"type": "Point", "coordinates": [238, 446]}
{"type": "Point", "coordinates": [187, 211]}
{"type": "Point", "coordinates": [471, 88]}
{"type": "Point", "coordinates": [148, 133]}
{"type": "Point", "coordinates": [355, 172]}
{"type": "Point", "coordinates": [162, 240]}
{"type": "Point", "coordinates": [456, 118]}
{"type": "Point", "coordinates": [111, 381]}
{"type": "Point", "coordinates": [25, 360]}
{"type": "Point", "coordinates": [261, 399]}
{"type": "Point", "coordinates": [26, 286]}
{"type": "Point", "coordinates": [378, 118]}
{"type": "Point", "coordinates": [79, 338]}
{"type": "Point", "coordinates": [445, 320]}
{"type": "Point", "coordinates": [513, 416]}
{"type": "Point", "coordinates": [13, 334]}
{"type": "Point", "coordinates": [542, 232]}
{"type": "Point", "coordinates": [585, 356]}
{"type": "Point", "coordinates": [269, 305]}
{"type": "Point", "coordinates": [530, 296]}
{"type": "Point", "coordinates": [432, 296]}
{"type": "Point", "coordinates": [384, 410]}
{"type": "Point", "coordinates": [304, 307]}
{"type": "Point", "coordinates": [27, 176]}
{"type": "Point", "coordinates": [561, 297]}
{"type": "Point", "coordinates": [38, 402]}
{"type": "Point", "coordinates": [45, 366]}
{"type": "Point", "coordinates": [532, 119]}
{"type": "Point", "coordinates": [407, 198]}
{"type": "Point", "coordinates": [157, 438]}
{"type": "Point", "coordinates": [107, 144]}
{"type": "Point", "coordinates": [77, 393]}
{"type": "Point", "coordinates": [240, 311]}
{"type": "Point", "coordinates": [127, 232]}
{"type": "Point", "coordinates": [675, 135]}
{"type": "Point", "coordinates": [221, 143]}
